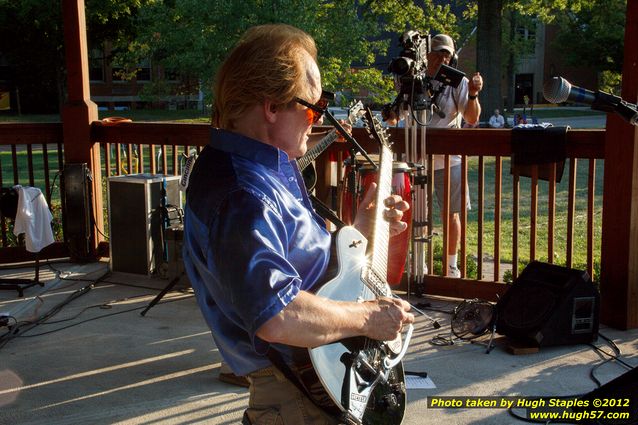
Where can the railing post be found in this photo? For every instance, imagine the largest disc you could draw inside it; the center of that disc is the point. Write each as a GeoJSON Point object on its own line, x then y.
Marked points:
{"type": "Point", "coordinates": [619, 248]}
{"type": "Point", "coordinates": [77, 115]}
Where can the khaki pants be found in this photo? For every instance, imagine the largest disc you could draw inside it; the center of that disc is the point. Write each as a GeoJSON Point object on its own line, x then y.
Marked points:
{"type": "Point", "coordinates": [274, 400]}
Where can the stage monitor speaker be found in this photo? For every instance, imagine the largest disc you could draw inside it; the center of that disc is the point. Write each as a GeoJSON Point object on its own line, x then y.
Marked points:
{"type": "Point", "coordinates": [78, 225]}
{"type": "Point", "coordinates": [135, 223]}
{"type": "Point", "coordinates": [620, 395]}
{"type": "Point", "coordinates": [549, 305]}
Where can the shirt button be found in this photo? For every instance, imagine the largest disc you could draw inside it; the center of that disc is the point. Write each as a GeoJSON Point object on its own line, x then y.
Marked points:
{"type": "Point", "coordinates": [291, 179]}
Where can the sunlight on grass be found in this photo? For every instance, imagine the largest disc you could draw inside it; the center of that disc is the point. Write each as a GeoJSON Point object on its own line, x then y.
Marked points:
{"type": "Point", "coordinates": [559, 253]}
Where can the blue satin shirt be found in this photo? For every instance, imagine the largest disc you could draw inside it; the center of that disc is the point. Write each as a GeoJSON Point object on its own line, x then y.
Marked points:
{"type": "Point", "coordinates": [252, 241]}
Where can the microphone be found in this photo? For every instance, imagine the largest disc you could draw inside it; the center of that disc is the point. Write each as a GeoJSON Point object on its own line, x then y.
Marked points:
{"type": "Point", "coordinates": [438, 111]}
{"type": "Point", "coordinates": [559, 90]}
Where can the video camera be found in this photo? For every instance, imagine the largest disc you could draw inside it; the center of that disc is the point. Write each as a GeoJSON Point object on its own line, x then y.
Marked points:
{"type": "Point", "coordinates": [410, 69]}
{"type": "Point", "coordinates": [413, 84]}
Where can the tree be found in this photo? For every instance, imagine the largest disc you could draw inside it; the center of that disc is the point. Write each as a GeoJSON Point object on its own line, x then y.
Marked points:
{"type": "Point", "coordinates": [594, 37]}
{"type": "Point", "coordinates": [192, 37]}
{"type": "Point", "coordinates": [31, 40]}
{"type": "Point", "coordinates": [591, 33]}
{"type": "Point", "coordinates": [488, 55]}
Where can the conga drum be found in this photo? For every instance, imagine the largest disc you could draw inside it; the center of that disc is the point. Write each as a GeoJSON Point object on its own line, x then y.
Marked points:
{"type": "Point", "coordinates": [398, 245]}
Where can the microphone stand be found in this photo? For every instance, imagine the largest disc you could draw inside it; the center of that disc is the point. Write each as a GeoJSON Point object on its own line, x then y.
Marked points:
{"type": "Point", "coordinates": [356, 147]}
{"type": "Point", "coordinates": [606, 102]}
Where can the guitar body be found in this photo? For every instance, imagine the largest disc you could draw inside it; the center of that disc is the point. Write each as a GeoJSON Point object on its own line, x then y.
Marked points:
{"type": "Point", "coordinates": [347, 384]}
{"type": "Point", "coordinates": [309, 175]}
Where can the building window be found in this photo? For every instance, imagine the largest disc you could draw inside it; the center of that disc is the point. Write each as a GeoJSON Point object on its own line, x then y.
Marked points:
{"type": "Point", "coordinates": [144, 71]}
{"type": "Point", "coordinates": [526, 33]}
{"type": "Point", "coordinates": [96, 65]}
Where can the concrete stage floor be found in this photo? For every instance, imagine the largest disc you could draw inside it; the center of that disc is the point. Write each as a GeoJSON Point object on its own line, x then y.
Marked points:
{"type": "Point", "coordinates": [97, 361]}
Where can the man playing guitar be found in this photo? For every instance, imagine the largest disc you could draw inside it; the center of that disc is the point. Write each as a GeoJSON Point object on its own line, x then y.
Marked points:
{"type": "Point", "coordinates": [254, 249]}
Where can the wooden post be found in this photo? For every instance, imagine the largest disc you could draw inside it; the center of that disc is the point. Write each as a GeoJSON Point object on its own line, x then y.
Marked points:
{"type": "Point", "coordinates": [77, 115]}
{"type": "Point", "coordinates": [619, 250]}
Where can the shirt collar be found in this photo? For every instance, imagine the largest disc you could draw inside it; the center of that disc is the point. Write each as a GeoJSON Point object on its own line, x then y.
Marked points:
{"type": "Point", "coordinates": [254, 150]}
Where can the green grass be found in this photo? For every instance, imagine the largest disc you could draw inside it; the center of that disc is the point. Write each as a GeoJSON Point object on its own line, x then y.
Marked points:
{"type": "Point", "coordinates": [194, 116]}
{"type": "Point", "coordinates": [142, 115]}
{"type": "Point", "coordinates": [558, 112]}
{"type": "Point", "coordinates": [524, 228]}
{"type": "Point", "coordinates": [38, 169]}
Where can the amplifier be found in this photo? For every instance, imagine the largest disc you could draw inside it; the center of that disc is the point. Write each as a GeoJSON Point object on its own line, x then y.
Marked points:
{"type": "Point", "coordinates": [135, 220]}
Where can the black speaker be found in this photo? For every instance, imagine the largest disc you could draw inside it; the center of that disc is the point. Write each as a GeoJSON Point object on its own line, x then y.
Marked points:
{"type": "Point", "coordinates": [549, 305]}
{"type": "Point", "coordinates": [78, 210]}
{"type": "Point", "coordinates": [620, 396]}
{"type": "Point", "coordinates": [135, 222]}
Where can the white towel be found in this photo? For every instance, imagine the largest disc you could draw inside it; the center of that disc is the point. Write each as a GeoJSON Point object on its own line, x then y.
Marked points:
{"type": "Point", "coordinates": [33, 219]}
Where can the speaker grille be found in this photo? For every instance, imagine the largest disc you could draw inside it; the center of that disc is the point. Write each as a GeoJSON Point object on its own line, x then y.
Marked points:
{"type": "Point", "coordinates": [530, 309]}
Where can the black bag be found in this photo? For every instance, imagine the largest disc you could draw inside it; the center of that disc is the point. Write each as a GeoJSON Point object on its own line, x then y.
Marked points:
{"type": "Point", "coordinates": [539, 146]}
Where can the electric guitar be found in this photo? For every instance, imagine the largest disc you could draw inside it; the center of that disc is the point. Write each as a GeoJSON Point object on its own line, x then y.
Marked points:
{"type": "Point", "coordinates": [359, 379]}
{"type": "Point", "coordinates": [305, 162]}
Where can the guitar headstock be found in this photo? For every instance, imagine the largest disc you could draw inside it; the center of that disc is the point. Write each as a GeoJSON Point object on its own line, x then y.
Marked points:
{"type": "Point", "coordinates": [355, 111]}
{"type": "Point", "coordinates": [375, 129]}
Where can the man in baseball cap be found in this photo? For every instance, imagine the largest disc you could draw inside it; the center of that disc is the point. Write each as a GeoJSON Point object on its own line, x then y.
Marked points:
{"type": "Point", "coordinates": [454, 103]}
{"type": "Point", "coordinates": [442, 42]}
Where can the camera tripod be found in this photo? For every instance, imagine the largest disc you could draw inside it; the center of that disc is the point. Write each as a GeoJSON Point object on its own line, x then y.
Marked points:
{"type": "Point", "coordinates": [420, 252]}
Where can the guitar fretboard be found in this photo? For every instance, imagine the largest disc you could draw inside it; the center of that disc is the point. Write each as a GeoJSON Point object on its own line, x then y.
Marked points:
{"type": "Point", "coordinates": [316, 150]}
{"type": "Point", "coordinates": [381, 234]}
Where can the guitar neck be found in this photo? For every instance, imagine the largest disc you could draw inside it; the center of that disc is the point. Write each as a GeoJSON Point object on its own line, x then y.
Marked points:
{"type": "Point", "coordinates": [381, 234]}
{"type": "Point", "coordinates": [317, 150]}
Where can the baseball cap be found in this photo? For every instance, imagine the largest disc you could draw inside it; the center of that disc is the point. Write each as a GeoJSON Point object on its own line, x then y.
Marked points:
{"type": "Point", "coordinates": [442, 42]}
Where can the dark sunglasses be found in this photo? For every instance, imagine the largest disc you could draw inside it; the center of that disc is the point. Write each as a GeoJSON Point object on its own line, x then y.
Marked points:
{"type": "Point", "coordinates": [317, 110]}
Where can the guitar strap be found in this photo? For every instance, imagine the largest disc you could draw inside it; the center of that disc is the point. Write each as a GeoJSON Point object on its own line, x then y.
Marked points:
{"type": "Point", "coordinates": [275, 357]}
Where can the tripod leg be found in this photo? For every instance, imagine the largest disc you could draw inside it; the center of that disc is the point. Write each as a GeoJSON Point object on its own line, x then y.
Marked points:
{"type": "Point", "coordinates": [159, 296]}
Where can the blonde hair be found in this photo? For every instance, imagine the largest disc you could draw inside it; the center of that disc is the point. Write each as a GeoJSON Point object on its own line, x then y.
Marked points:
{"type": "Point", "coordinates": [266, 63]}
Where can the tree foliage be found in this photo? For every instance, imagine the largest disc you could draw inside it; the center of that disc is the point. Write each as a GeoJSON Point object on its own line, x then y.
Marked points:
{"type": "Point", "coordinates": [591, 32]}
{"type": "Point", "coordinates": [194, 36]}
{"type": "Point", "coordinates": [30, 41]}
